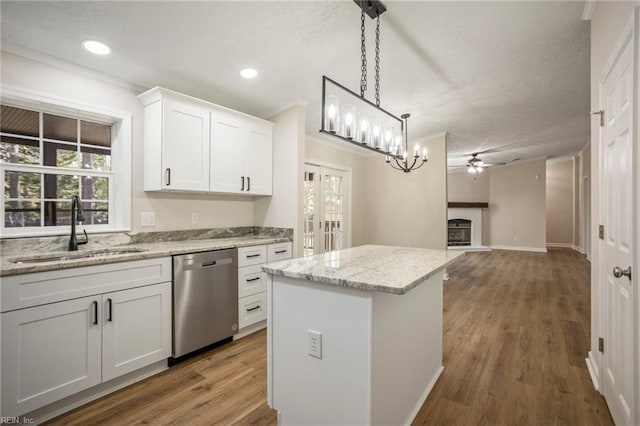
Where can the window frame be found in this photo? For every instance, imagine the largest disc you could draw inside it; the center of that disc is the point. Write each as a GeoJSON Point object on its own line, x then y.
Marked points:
{"type": "Point", "coordinates": [119, 175]}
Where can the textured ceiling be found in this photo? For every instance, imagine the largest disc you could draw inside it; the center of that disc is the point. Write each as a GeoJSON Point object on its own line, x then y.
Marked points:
{"type": "Point", "coordinates": [508, 76]}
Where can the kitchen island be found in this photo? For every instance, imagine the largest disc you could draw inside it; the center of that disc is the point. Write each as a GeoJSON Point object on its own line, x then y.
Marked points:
{"type": "Point", "coordinates": [355, 336]}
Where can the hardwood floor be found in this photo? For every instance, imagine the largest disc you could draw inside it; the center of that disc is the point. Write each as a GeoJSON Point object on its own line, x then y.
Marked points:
{"type": "Point", "coordinates": [224, 386]}
{"type": "Point", "coordinates": [516, 332]}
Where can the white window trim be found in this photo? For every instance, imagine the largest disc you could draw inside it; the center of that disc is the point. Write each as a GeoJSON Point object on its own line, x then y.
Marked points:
{"type": "Point", "coordinates": [120, 188]}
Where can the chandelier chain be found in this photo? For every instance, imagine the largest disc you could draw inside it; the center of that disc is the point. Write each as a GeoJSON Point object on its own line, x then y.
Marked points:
{"type": "Point", "coordinates": [378, 61]}
{"type": "Point", "coordinates": [363, 57]}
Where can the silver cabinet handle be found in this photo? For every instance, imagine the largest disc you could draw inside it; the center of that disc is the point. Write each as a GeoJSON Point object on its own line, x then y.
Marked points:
{"type": "Point", "coordinates": [619, 272]}
{"type": "Point", "coordinates": [168, 176]}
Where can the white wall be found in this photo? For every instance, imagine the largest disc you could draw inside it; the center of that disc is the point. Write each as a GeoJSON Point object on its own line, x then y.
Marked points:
{"type": "Point", "coordinates": [173, 210]}
{"type": "Point", "coordinates": [607, 25]}
{"type": "Point", "coordinates": [517, 206]}
{"type": "Point", "coordinates": [284, 208]}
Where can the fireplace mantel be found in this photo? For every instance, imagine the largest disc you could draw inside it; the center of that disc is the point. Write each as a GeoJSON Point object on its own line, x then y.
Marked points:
{"type": "Point", "coordinates": [463, 205]}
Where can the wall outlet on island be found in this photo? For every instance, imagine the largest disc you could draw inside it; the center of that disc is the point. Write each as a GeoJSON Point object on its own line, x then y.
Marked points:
{"type": "Point", "coordinates": [194, 218]}
{"type": "Point", "coordinates": [315, 344]}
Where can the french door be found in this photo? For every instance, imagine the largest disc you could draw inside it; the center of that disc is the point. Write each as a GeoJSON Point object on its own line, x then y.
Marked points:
{"type": "Point", "coordinates": [325, 209]}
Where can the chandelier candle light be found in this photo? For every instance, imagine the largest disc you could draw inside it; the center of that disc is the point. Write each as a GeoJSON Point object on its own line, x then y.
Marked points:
{"type": "Point", "coordinates": [354, 119]}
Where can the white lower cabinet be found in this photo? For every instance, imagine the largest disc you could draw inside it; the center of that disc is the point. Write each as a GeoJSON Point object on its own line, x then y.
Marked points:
{"type": "Point", "coordinates": [49, 352]}
{"type": "Point", "coordinates": [136, 329]}
{"type": "Point", "coordinates": [55, 350]}
{"type": "Point", "coordinates": [252, 289]}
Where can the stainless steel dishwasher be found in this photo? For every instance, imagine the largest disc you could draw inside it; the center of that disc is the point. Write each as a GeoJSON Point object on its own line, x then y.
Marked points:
{"type": "Point", "coordinates": [205, 299]}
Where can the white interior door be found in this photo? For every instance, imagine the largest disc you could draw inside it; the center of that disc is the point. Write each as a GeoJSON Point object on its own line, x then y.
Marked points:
{"type": "Point", "coordinates": [617, 246]}
{"type": "Point", "coordinates": [326, 195]}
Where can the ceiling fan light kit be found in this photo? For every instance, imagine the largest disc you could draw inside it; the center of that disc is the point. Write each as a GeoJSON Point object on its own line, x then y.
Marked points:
{"type": "Point", "coordinates": [352, 118]}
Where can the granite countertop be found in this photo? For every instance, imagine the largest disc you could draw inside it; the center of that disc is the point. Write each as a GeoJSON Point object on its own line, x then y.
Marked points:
{"type": "Point", "coordinates": [384, 269]}
{"type": "Point", "coordinates": [147, 250]}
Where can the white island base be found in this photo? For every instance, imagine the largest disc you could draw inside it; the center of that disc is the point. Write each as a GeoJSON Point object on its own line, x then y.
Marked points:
{"type": "Point", "coordinates": [381, 352]}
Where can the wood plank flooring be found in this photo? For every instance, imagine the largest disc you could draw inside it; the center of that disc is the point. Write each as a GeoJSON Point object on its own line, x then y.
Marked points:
{"type": "Point", "coordinates": [516, 332]}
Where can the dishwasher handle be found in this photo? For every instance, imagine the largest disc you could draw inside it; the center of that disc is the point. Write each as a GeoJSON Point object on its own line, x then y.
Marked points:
{"type": "Point", "coordinates": [206, 264]}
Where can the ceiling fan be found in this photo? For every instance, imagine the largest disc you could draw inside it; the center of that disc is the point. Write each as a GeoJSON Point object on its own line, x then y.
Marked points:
{"type": "Point", "coordinates": [476, 165]}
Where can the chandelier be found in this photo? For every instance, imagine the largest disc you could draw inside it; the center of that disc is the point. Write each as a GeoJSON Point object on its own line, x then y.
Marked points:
{"type": "Point", "coordinates": [354, 119]}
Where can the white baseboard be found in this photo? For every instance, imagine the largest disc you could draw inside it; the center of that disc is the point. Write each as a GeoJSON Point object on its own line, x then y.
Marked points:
{"type": "Point", "coordinates": [593, 371]}
{"type": "Point", "coordinates": [424, 396]}
{"type": "Point", "coordinates": [469, 248]}
{"type": "Point", "coordinates": [516, 248]}
{"type": "Point", "coordinates": [250, 329]}
{"type": "Point", "coordinates": [561, 245]}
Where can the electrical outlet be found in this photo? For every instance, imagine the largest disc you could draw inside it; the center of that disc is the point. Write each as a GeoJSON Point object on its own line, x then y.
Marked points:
{"type": "Point", "coordinates": [315, 344]}
{"type": "Point", "coordinates": [194, 218]}
{"type": "Point", "coordinates": [147, 219]}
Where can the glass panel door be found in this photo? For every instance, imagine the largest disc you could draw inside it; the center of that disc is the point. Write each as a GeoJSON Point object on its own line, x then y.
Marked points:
{"type": "Point", "coordinates": [325, 201]}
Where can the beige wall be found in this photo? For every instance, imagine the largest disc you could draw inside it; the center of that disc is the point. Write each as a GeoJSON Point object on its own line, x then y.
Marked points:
{"type": "Point", "coordinates": [516, 205]}
{"type": "Point", "coordinates": [173, 210]}
{"type": "Point", "coordinates": [608, 23]}
{"type": "Point", "coordinates": [408, 209]}
{"type": "Point", "coordinates": [560, 202]}
{"type": "Point", "coordinates": [467, 187]}
{"type": "Point", "coordinates": [388, 206]}
{"type": "Point", "coordinates": [328, 154]}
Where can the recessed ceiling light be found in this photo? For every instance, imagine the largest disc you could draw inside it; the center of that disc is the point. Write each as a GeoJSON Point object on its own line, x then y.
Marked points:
{"type": "Point", "coordinates": [248, 73]}
{"type": "Point", "coordinates": [96, 47]}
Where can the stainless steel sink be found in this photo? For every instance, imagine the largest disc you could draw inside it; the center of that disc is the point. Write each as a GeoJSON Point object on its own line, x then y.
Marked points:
{"type": "Point", "coordinates": [76, 255]}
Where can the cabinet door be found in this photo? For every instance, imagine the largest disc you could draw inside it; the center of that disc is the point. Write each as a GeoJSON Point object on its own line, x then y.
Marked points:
{"type": "Point", "coordinates": [185, 146]}
{"type": "Point", "coordinates": [136, 330]}
{"type": "Point", "coordinates": [48, 353]}
{"type": "Point", "coordinates": [226, 142]}
{"type": "Point", "coordinates": [257, 159]}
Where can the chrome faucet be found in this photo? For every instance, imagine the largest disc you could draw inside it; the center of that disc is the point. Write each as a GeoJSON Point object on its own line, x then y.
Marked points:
{"type": "Point", "coordinates": [76, 216]}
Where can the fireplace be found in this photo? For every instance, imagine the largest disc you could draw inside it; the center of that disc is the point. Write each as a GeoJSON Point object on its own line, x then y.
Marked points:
{"type": "Point", "coordinates": [459, 232]}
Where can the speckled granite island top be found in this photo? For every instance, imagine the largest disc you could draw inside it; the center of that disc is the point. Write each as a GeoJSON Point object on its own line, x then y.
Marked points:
{"type": "Point", "coordinates": [138, 247]}
{"type": "Point", "coordinates": [374, 268]}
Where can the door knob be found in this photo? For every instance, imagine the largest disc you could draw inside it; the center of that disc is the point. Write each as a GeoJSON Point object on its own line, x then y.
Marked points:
{"type": "Point", "coordinates": [619, 272]}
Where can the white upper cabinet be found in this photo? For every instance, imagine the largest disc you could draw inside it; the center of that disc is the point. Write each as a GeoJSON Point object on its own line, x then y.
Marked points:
{"type": "Point", "coordinates": [193, 145]}
{"type": "Point", "coordinates": [241, 154]}
{"type": "Point", "coordinates": [176, 143]}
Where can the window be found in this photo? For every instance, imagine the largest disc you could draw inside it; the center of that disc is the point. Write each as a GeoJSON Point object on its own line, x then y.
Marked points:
{"type": "Point", "coordinates": [47, 158]}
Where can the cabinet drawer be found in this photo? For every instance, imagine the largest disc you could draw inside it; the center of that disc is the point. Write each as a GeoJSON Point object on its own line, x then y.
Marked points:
{"type": "Point", "coordinates": [254, 255]}
{"type": "Point", "coordinates": [280, 251]}
{"type": "Point", "coordinates": [252, 309]}
{"type": "Point", "coordinates": [251, 280]}
{"type": "Point", "coordinates": [23, 291]}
